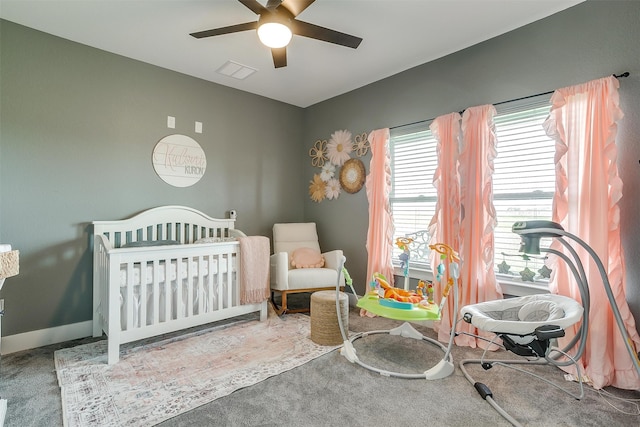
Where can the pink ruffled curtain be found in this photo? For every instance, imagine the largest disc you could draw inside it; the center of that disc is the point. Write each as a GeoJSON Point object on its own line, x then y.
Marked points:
{"type": "Point", "coordinates": [445, 225]}
{"type": "Point", "coordinates": [588, 189]}
{"type": "Point", "coordinates": [478, 217]}
{"type": "Point", "coordinates": [378, 185]}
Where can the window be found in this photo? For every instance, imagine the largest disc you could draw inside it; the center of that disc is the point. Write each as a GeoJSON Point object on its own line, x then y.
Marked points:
{"type": "Point", "coordinates": [413, 197]}
{"type": "Point", "coordinates": [523, 185]}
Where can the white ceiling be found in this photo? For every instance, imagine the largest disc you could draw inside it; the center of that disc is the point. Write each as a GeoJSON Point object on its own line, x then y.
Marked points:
{"type": "Point", "coordinates": [398, 35]}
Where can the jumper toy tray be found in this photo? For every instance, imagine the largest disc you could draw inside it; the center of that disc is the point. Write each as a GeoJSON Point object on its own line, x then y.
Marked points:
{"type": "Point", "coordinates": [398, 310]}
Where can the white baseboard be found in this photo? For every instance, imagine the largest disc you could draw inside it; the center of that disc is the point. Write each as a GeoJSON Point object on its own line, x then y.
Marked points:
{"type": "Point", "coordinates": [42, 337]}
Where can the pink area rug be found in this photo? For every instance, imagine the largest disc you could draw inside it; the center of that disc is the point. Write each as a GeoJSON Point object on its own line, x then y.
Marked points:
{"type": "Point", "coordinates": [154, 382]}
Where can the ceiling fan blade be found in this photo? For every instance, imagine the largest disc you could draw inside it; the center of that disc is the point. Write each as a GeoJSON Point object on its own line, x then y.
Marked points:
{"type": "Point", "coordinates": [279, 57]}
{"type": "Point", "coordinates": [255, 7]}
{"type": "Point", "coordinates": [295, 7]}
{"type": "Point", "coordinates": [272, 4]}
{"type": "Point", "coordinates": [226, 30]}
{"type": "Point", "coordinates": [306, 29]}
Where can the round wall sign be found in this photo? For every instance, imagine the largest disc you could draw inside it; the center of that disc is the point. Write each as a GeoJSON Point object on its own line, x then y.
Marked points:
{"type": "Point", "coordinates": [179, 160]}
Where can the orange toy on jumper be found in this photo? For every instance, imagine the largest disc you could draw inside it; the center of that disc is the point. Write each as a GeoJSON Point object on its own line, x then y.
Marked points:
{"type": "Point", "coordinates": [396, 293]}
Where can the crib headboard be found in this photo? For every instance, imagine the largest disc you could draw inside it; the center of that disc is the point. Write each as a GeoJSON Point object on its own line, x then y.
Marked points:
{"type": "Point", "coordinates": [165, 223]}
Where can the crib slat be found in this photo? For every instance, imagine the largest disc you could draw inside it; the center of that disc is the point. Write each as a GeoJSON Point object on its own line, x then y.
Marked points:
{"type": "Point", "coordinates": [155, 300]}
{"type": "Point", "coordinates": [197, 294]}
{"type": "Point", "coordinates": [175, 230]}
{"type": "Point", "coordinates": [219, 281]}
{"type": "Point", "coordinates": [210, 285]}
{"type": "Point", "coordinates": [129, 301]}
{"type": "Point", "coordinates": [168, 295]}
{"type": "Point", "coordinates": [200, 284]}
{"type": "Point", "coordinates": [190, 294]}
{"type": "Point", "coordinates": [206, 284]}
{"type": "Point", "coordinates": [142, 311]}
{"type": "Point", "coordinates": [228, 282]}
{"type": "Point", "coordinates": [178, 294]}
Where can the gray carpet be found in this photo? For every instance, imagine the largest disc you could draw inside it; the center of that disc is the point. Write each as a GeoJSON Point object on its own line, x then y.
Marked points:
{"type": "Point", "coordinates": [331, 391]}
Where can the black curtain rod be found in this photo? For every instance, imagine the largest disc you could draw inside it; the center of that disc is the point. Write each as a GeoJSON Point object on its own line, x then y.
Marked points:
{"type": "Point", "coordinates": [617, 76]}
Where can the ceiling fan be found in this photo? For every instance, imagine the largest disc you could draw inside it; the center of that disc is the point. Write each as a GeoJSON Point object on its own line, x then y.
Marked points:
{"type": "Point", "coordinates": [279, 17]}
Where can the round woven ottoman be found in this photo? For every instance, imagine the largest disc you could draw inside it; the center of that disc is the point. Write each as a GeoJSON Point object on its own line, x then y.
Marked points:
{"type": "Point", "coordinates": [325, 329]}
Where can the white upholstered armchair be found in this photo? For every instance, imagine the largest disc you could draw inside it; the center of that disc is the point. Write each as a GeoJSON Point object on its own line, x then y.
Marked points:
{"type": "Point", "coordinates": [298, 265]}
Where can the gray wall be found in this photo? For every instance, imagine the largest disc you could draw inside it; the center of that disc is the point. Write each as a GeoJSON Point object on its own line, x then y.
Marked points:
{"type": "Point", "coordinates": [78, 126]}
{"type": "Point", "coordinates": [588, 41]}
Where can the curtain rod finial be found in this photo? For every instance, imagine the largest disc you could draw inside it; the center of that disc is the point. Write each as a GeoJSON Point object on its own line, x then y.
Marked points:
{"type": "Point", "coordinates": [625, 74]}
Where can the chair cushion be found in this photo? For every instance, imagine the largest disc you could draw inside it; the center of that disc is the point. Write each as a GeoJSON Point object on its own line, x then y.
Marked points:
{"type": "Point", "coordinates": [306, 278]}
{"type": "Point", "coordinates": [288, 237]}
{"type": "Point", "coordinates": [307, 258]}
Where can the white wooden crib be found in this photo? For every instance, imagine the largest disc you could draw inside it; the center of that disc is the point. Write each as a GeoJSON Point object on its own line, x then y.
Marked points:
{"type": "Point", "coordinates": [163, 270]}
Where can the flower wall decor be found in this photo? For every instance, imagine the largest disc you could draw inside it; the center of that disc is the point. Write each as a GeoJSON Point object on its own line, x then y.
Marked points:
{"type": "Point", "coordinates": [318, 153]}
{"type": "Point", "coordinates": [328, 171]}
{"type": "Point", "coordinates": [339, 147]}
{"type": "Point", "coordinates": [361, 144]}
{"type": "Point", "coordinates": [332, 189]}
{"type": "Point", "coordinates": [329, 156]}
{"type": "Point", "coordinates": [317, 188]}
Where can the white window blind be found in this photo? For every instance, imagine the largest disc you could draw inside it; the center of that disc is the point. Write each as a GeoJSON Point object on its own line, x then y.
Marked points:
{"type": "Point", "coordinates": [523, 180]}
{"type": "Point", "coordinates": [413, 197]}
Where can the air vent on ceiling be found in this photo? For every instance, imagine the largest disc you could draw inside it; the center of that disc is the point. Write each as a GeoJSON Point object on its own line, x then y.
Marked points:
{"type": "Point", "coordinates": [235, 70]}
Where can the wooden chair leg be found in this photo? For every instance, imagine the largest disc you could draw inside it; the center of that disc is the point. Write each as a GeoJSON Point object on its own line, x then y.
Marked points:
{"type": "Point", "coordinates": [295, 310]}
{"type": "Point", "coordinates": [282, 309]}
{"type": "Point", "coordinates": [283, 302]}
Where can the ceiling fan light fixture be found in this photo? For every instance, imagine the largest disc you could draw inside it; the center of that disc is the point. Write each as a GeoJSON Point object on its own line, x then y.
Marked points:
{"type": "Point", "coordinates": [274, 34]}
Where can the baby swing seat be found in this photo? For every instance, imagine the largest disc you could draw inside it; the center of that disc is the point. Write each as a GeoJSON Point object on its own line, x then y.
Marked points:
{"type": "Point", "coordinates": [525, 324]}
